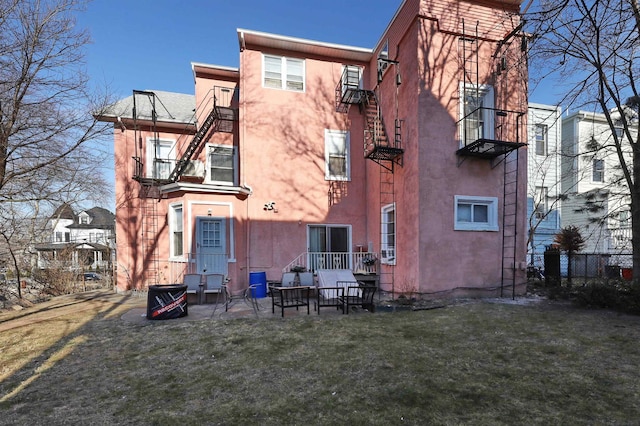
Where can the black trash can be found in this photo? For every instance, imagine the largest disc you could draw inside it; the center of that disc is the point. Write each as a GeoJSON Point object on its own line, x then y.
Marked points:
{"type": "Point", "coordinates": [167, 302]}
{"type": "Point", "coordinates": [552, 266]}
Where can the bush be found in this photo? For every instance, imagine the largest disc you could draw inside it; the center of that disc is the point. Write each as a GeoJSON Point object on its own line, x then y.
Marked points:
{"type": "Point", "coordinates": [599, 295]}
{"type": "Point", "coordinates": [56, 281]}
{"type": "Point", "coordinates": [630, 297]}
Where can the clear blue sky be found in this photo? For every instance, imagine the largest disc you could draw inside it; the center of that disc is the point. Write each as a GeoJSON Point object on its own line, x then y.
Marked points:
{"type": "Point", "coordinates": [150, 44]}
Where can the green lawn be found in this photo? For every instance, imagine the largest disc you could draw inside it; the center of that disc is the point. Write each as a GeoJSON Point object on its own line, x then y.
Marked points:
{"type": "Point", "coordinates": [476, 363]}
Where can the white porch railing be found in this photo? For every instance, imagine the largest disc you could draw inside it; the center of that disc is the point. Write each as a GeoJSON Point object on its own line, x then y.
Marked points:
{"type": "Point", "coordinates": [621, 239]}
{"type": "Point", "coordinates": [359, 263]}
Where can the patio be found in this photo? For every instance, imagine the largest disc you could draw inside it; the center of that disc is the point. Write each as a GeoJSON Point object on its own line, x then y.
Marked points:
{"type": "Point", "coordinates": [238, 308]}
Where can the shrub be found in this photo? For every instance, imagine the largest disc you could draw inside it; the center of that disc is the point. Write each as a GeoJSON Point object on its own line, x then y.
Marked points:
{"type": "Point", "coordinates": [598, 295]}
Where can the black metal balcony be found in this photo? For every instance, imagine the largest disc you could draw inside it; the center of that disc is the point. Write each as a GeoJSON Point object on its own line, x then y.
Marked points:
{"type": "Point", "coordinates": [490, 133]}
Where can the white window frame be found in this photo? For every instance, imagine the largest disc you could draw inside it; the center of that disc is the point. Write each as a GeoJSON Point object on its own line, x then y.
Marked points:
{"type": "Point", "coordinates": [234, 154]}
{"type": "Point", "coordinates": [153, 154]}
{"type": "Point", "coordinates": [383, 64]}
{"type": "Point", "coordinates": [388, 233]}
{"type": "Point", "coordinates": [624, 219]}
{"type": "Point", "coordinates": [540, 201]}
{"type": "Point", "coordinates": [541, 133]}
{"type": "Point", "coordinates": [485, 93]}
{"type": "Point", "coordinates": [331, 136]}
{"type": "Point", "coordinates": [349, 84]}
{"type": "Point", "coordinates": [595, 169]}
{"type": "Point", "coordinates": [492, 213]}
{"type": "Point", "coordinates": [176, 226]}
{"type": "Point", "coordinates": [286, 65]}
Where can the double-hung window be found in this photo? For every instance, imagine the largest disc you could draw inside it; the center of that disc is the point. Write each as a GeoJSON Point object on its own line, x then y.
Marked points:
{"type": "Point", "coordinates": [598, 171]}
{"type": "Point", "coordinates": [476, 213]}
{"type": "Point", "coordinates": [176, 230]}
{"type": "Point", "coordinates": [161, 158]}
{"type": "Point", "coordinates": [541, 139]}
{"type": "Point", "coordinates": [222, 161]}
{"type": "Point", "coordinates": [388, 235]}
{"type": "Point", "coordinates": [280, 72]}
{"type": "Point", "coordinates": [336, 155]}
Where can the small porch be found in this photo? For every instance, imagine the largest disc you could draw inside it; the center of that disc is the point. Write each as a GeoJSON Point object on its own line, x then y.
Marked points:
{"type": "Point", "coordinates": [360, 263]}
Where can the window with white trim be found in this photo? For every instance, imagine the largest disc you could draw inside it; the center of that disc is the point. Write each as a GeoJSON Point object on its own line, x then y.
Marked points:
{"type": "Point", "coordinates": [476, 111]}
{"type": "Point", "coordinates": [383, 56]}
{"type": "Point", "coordinates": [280, 72]}
{"type": "Point", "coordinates": [351, 78]}
{"type": "Point", "coordinates": [623, 219]}
{"type": "Point", "coordinates": [176, 230]}
{"type": "Point", "coordinates": [598, 170]}
{"type": "Point", "coordinates": [476, 213]}
{"type": "Point", "coordinates": [388, 234]}
{"type": "Point", "coordinates": [222, 164]}
{"type": "Point", "coordinates": [160, 158]}
{"type": "Point", "coordinates": [541, 139]}
{"type": "Point", "coordinates": [540, 201]}
{"type": "Point", "coordinates": [336, 155]}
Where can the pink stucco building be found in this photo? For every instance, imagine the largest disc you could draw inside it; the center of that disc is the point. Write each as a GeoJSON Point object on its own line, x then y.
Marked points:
{"type": "Point", "coordinates": [327, 156]}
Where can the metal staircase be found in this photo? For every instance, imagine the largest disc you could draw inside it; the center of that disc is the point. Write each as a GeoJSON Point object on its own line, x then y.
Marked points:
{"type": "Point", "coordinates": [378, 147]}
{"type": "Point", "coordinates": [194, 145]}
{"type": "Point", "coordinates": [219, 119]}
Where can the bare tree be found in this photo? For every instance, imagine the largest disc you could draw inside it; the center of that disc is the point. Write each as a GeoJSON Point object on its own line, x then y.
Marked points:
{"type": "Point", "coordinates": [591, 48]}
{"type": "Point", "coordinates": [46, 106]}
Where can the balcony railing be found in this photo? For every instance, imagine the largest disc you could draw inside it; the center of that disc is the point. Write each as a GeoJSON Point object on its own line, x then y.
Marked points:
{"type": "Point", "coordinates": [359, 263]}
{"type": "Point", "coordinates": [489, 132]}
{"type": "Point", "coordinates": [621, 239]}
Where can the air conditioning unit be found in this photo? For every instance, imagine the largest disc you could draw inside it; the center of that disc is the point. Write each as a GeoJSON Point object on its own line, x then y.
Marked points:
{"type": "Point", "coordinates": [194, 168]}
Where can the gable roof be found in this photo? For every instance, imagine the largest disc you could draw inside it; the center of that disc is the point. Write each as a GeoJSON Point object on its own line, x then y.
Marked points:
{"type": "Point", "coordinates": [100, 219]}
{"type": "Point", "coordinates": [65, 211]}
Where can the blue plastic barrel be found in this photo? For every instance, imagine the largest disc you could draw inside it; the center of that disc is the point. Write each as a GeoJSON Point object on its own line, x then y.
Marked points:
{"type": "Point", "coordinates": [259, 279]}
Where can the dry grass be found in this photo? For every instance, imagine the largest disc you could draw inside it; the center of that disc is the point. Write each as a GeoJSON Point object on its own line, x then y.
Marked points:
{"type": "Point", "coordinates": [477, 363]}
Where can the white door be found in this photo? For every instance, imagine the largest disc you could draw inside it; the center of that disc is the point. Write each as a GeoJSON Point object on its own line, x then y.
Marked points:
{"type": "Point", "coordinates": [211, 246]}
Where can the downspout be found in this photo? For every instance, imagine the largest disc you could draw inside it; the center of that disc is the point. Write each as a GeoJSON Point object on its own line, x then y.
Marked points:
{"type": "Point", "coordinates": [241, 138]}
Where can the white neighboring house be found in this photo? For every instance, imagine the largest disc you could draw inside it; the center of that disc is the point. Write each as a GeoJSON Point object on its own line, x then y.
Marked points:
{"type": "Point", "coordinates": [83, 241]}
{"type": "Point", "coordinates": [598, 202]}
{"type": "Point", "coordinates": [543, 178]}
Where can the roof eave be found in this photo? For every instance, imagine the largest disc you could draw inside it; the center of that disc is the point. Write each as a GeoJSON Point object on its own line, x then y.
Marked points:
{"type": "Point", "coordinates": [293, 44]}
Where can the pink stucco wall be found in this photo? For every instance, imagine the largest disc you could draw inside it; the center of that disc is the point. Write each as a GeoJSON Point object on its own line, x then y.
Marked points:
{"type": "Point", "coordinates": [280, 142]}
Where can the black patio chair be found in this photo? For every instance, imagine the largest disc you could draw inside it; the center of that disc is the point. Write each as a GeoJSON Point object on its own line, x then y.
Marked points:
{"type": "Point", "coordinates": [361, 295]}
